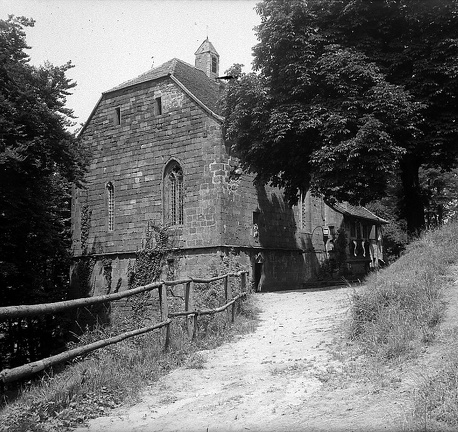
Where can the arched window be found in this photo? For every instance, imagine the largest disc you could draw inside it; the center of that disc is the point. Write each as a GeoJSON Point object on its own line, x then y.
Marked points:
{"type": "Point", "coordinates": [110, 206]}
{"type": "Point", "coordinates": [173, 194]}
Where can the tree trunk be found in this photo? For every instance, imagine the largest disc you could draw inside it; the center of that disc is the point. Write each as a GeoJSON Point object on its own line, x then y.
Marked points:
{"type": "Point", "coordinates": [412, 203]}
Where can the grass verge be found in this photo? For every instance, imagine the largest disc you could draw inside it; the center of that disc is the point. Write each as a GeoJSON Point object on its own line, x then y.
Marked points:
{"type": "Point", "coordinates": [114, 375]}
{"type": "Point", "coordinates": [436, 400]}
{"type": "Point", "coordinates": [396, 316]}
{"type": "Point", "coordinates": [400, 307]}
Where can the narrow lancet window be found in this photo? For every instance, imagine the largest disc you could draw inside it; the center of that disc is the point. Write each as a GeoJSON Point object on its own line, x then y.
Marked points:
{"type": "Point", "coordinates": [173, 194]}
{"type": "Point", "coordinates": [110, 206]}
{"type": "Point", "coordinates": [158, 106]}
{"type": "Point", "coordinates": [117, 116]}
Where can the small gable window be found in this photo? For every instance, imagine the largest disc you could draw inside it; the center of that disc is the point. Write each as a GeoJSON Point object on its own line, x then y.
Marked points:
{"type": "Point", "coordinates": [117, 116]}
{"type": "Point", "coordinates": [173, 194]}
{"type": "Point", "coordinates": [214, 63]}
{"type": "Point", "coordinates": [158, 106]}
{"type": "Point", "coordinates": [110, 206]}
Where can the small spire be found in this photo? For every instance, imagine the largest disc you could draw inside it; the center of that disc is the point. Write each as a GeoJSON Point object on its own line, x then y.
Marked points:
{"type": "Point", "coordinates": [207, 59]}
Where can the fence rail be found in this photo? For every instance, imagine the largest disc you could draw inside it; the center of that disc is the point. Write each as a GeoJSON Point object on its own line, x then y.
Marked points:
{"type": "Point", "coordinates": [8, 312]}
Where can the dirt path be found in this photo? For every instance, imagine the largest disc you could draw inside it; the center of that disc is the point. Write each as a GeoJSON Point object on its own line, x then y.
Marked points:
{"type": "Point", "coordinates": [270, 380]}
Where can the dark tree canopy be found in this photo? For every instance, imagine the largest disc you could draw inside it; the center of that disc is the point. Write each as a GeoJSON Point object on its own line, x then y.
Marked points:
{"type": "Point", "coordinates": [347, 96]}
{"type": "Point", "coordinates": [39, 159]}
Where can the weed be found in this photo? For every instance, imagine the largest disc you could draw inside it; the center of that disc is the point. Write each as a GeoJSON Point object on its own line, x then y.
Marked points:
{"type": "Point", "coordinates": [196, 361]}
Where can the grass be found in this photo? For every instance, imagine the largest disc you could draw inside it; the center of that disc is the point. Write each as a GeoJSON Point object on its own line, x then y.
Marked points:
{"type": "Point", "coordinates": [400, 307]}
{"type": "Point", "coordinates": [398, 313]}
{"type": "Point", "coordinates": [114, 375]}
{"type": "Point", "coordinates": [436, 400]}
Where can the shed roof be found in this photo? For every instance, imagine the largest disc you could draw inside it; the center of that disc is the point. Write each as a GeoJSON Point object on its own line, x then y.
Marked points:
{"type": "Point", "coordinates": [357, 211]}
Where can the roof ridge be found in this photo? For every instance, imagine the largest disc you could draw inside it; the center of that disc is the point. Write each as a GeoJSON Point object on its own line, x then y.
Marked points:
{"type": "Point", "coordinates": [185, 63]}
{"type": "Point", "coordinates": [344, 207]}
{"type": "Point", "coordinates": [173, 64]}
{"type": "Point", "coordinates": [138, 78]}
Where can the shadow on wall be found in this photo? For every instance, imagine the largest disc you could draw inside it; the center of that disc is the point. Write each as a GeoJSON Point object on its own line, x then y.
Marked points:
{"type": "Point", "coordinates": [292, 258]}
{"type": "Point", "coordinates": [331, 263]}
{"type": "Point", "coordinates": [276, 223]}
{"type": "Point", "coordinates": [279, 264]}
{"type": "Point", "coordinates": [90, 276]}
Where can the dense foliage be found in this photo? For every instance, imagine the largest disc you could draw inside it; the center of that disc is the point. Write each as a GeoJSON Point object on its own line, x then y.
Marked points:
{"type": "Point", "coordinates": [348, 97]}
{"type": "Point", "coordinates": [39, 159]}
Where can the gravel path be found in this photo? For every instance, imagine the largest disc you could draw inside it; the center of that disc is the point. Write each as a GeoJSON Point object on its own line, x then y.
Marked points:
{"type": "Point", "coordinates": [270, 380]}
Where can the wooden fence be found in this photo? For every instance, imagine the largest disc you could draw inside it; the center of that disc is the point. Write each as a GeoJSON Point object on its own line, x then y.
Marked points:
{"type": "Point", "coordinates": [191, 314]}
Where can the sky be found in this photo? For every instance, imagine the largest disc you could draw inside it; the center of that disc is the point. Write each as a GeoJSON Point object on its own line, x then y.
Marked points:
{"type": "Point", "coordinates": [112, 41]}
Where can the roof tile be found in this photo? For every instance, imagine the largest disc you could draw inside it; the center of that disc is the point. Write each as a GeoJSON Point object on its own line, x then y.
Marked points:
{"type": "Point", "coordinates": [356, 211]}
{"type": "Point", "coordinates": [194, 80]}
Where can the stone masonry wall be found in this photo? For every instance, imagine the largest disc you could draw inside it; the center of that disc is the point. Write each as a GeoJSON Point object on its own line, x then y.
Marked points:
{"type": "Point", "coordinates": [222, 209]}
{"type": "Point", "coordinates": [133, 155]}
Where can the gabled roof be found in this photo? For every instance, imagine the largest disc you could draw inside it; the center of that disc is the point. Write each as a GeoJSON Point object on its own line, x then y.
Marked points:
{"type": "Point", "coordinates": [194, 82]}
{"type": "Point", "coordinates": [357, 211]}
{"type": "Point", "coordinates": [192, 79]}
{"type": "Point", "coordinates": [161, 71]}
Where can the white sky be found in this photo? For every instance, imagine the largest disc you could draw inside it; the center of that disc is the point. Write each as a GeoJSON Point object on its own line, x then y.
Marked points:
{"type": "Point", "coordinates": [111, 41]}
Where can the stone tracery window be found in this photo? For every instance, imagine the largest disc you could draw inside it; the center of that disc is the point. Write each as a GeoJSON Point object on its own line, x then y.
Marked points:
{"type": "Point", "coordinates": [173, 194]}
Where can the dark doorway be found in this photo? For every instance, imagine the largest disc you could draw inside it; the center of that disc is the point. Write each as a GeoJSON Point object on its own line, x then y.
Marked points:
{"type": "Point", "coordinates": [257, 276]}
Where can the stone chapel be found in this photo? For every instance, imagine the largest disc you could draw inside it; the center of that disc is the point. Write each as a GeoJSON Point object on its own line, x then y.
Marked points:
{"type": "Point", "coordinates": [159, 159]}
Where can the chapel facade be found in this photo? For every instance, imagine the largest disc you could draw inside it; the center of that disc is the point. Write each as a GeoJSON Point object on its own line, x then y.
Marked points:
{"type": "Point", "coordinates": [159, 159]}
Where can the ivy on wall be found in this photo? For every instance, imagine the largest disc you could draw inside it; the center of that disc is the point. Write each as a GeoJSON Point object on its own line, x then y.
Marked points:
{"type": "Point", "coordinates": [85, 265]}
{"type": "Point", "coordinates": [107, 267]}
{"type": "Point", "coordinates": [86, 215]}
{"type": "Point", "coordinates": [150, 260]}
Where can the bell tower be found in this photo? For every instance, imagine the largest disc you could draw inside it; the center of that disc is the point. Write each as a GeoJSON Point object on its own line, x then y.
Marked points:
{"type": "Point", "coordinates": [207, 59]}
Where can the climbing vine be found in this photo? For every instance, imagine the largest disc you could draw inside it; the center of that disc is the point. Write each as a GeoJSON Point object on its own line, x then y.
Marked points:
{"type": "Point", "coordinates": [86, 215]}
{"type": "Point", "coordinates": [83, 270]}
{"type": "Point", "coordinates": [85, 264]}
{"type": "Point", "coordinates": [147, 268]}
{"type": "Point", "coordinates": [107, 271]}
{"type": "Point", "coordinates": [151, 258]}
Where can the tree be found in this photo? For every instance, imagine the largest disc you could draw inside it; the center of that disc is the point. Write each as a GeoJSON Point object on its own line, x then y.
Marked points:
{"type": "Point", "coordinates": [442, 198]}
{"type": "Point", "coordinates": [348, 95]}
{"type": "Point", "coordinates": [39, 160]}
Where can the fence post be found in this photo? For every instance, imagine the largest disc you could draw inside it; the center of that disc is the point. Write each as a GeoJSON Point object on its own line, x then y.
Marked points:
{"type": "Point", "coordinates": [227, 292]}
{"type": "Point", "coordinates": [227, 289]}
{"type": "Point", "coordinates": [243, 285]}
{"type": "Point", "coordinates": [243, 282]}
{"type": "Point", "coordinates": [196, 328]}
{"type": "Point", "coordinates": [188, 305]}
{"type": "Point", "coordinates": [167, 336]}
{"type": "Point", "coordinates": [164, 312]}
